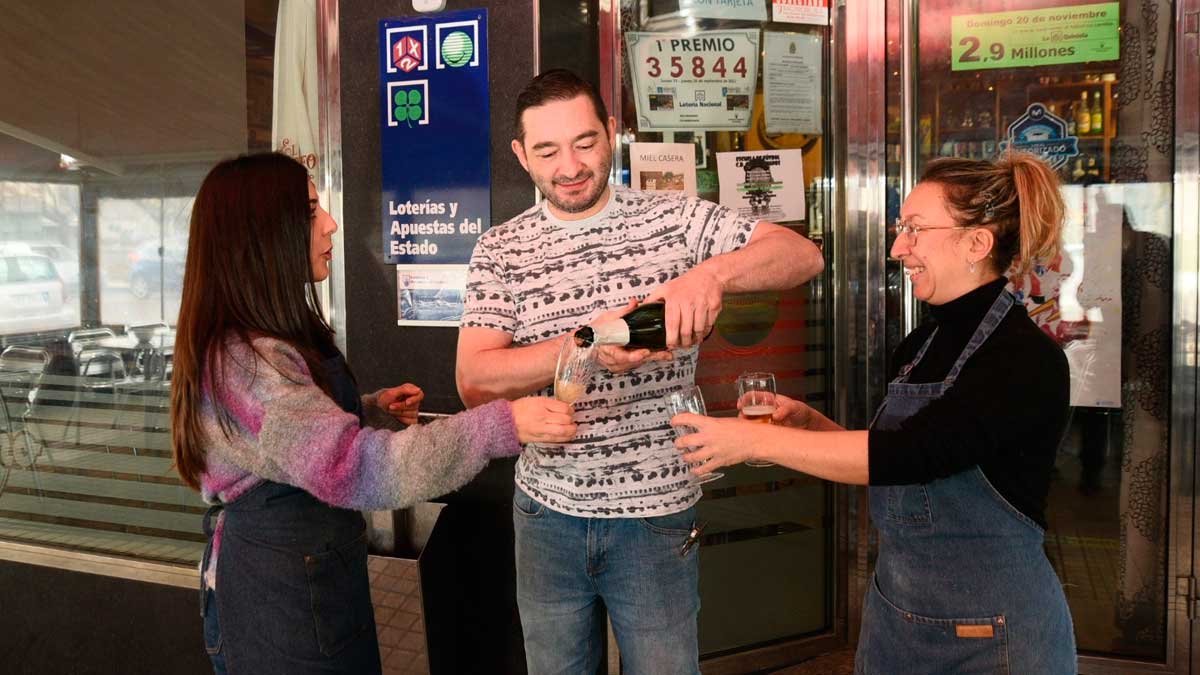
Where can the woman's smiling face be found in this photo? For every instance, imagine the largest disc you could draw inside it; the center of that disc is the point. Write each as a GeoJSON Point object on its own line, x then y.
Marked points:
{"type": "Point", "coordinates": [932, 247]}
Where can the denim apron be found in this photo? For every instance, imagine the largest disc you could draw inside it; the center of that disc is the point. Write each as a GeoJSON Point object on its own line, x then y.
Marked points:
{"type": "Point", "coordinates": [962, 584]}
{"type": "Point", "coordinates": [292, 590]}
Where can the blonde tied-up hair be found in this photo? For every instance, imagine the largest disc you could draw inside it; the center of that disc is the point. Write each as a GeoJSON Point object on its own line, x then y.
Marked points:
{"type": "Point", "coordinates": [1017, 197]}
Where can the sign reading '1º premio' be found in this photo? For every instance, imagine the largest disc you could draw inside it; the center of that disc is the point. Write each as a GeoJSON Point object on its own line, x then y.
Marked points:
{"type": "Point", "coordinates": [1035, 37]}
{"type": "Point", "coordinates": [435, 136]}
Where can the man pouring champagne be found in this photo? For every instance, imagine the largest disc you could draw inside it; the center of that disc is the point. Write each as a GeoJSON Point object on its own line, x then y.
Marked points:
{"type": "Point", "coordinates": [599, 255]}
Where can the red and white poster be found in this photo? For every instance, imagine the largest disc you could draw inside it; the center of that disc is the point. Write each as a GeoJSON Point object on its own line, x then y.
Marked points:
{"type": "Point", "coordinates": [801, 11]}
{"type": "Point", "coordinates": [1076, 298]}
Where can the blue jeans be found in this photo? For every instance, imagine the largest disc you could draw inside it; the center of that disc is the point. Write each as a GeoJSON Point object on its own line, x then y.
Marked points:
{"type": "Point", "coordinates": [569, 569]}
{"type": "Point", "coordinates": [212, 632]}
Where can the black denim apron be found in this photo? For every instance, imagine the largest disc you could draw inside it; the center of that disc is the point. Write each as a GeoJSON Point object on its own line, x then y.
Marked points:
{"type": "Point", "coordinates": [292, 589]}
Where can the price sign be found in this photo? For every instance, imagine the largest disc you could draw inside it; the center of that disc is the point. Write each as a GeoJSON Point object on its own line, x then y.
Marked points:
{"type": "Point", "coordinates": [699, 81]}
{"type": "Point", "coordinates": [1036, 37]}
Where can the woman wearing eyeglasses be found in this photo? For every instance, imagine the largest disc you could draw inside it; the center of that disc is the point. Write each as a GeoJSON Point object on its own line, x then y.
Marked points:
{"type": "Point", "coordinates": [960, 453]}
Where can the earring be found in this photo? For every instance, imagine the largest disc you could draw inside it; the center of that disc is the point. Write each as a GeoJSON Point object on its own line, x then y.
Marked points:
{"type": "Point", "coordinates": [972, 267]}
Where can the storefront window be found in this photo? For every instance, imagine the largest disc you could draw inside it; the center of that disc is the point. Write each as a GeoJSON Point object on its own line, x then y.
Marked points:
{"type": "Point", "coordinates": [143, 245]}
{"type": "Point", "coordinates": [1088, 86]}
{"type": "Point", "coordinates": [740, 97]}
{"type": "Point", "coordinates": [100, 158]}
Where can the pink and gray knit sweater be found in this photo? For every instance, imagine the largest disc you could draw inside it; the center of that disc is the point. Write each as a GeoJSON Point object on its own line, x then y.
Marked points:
{"type": "Point", "coordinates": [286, 430]}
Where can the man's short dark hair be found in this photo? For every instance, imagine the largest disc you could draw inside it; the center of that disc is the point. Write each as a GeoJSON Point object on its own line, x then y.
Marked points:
{"type": "Point", "coordinates": [558, 84]}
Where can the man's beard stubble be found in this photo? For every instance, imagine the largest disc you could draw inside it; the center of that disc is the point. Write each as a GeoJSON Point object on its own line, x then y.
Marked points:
{"type": "Point", "coordinates": [589, 201]}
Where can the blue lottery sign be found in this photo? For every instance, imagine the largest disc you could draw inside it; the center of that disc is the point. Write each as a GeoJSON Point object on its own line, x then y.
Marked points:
{"type": "Point", "coordinates": [1042, 133]}
{"type": "Point", "coordinates": [435, 137]}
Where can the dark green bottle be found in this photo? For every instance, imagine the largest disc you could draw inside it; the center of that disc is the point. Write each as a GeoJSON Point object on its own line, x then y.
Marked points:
{"type": "Point", "coordinates": [643, 328]}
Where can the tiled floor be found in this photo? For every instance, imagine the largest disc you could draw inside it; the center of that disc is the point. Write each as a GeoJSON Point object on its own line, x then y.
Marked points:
{"type": "Point", "coordinates": [399, 619]}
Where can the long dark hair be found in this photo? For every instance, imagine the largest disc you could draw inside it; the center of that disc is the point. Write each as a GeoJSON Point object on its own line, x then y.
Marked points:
{"type": "Point", "coordinates": [1017, 196]}
{"type": "Point", "coordinates": [248, 274]}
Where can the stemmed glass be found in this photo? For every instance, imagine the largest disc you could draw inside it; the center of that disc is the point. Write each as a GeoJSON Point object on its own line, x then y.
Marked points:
{"type": "Point", "coordinates": [573, 372]}
{"type": "Point", "coordinates": [756, 402]}
{"type": "Point", "coordinates": [689, 400]}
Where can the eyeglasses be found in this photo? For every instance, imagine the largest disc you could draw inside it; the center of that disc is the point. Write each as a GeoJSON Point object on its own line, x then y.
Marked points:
{"type": "Point", "coordinates": [910, 231]}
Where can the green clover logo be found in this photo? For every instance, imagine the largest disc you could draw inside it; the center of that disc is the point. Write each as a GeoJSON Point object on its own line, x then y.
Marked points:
{"type": "Point", "coordinates": [408, 106]}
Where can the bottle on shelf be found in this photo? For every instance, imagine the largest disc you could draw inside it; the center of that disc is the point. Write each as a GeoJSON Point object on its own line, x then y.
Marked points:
{"type": "Point", "coordinates": [1093, 167]}
{"type": "Point", "coordinates": [1078, 173]}
{"type": "Point", "coordinates": [1072, 127]}
{"type": "Point", "coordinates": [1083, 116]}
{"type": "Point", "coordinates": [1097, 114]}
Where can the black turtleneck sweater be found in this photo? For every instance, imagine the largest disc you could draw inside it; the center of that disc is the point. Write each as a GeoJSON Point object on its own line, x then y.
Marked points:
{"type": "Point", "coordinates": [1007, 411]}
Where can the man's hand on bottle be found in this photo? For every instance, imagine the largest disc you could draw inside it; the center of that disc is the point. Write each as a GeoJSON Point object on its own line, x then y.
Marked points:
{"type": "Point", "coordinates": [619, 359]}
{"type": "Point", "coordinates": [693, 301]}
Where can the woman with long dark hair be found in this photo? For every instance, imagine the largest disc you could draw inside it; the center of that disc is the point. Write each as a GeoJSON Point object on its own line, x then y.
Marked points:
{"type": "Point", "coordinates": [267, 423]}
{"type": "Point", "coordinates": [960, 454]}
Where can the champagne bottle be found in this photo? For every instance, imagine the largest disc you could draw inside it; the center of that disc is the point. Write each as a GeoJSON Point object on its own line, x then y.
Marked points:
{"type": "Point", "coordinates": [1083, 118]}
{"type": "Point", "coordinates": [643, 328]}
{"type": "Point", "coordinates": [1097, 116]}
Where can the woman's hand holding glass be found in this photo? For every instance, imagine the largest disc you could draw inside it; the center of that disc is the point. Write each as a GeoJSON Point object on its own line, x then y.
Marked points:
{"type": "Point", "coordinates": [714, 443]}
{"type": "Point", "coordinates": [756, 402]}
{"type": "Point", "coordinates": [791, 413]}
{"type": "Point", "coordinates": [689, 400]}
{"type": "Point", "coordinates": [543, 420]}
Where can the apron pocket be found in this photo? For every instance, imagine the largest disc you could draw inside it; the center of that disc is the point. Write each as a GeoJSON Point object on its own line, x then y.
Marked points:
{"type": "Point", "coordinates": [892, 635]}
{"type": "Point", "coordinates": [341, 594]}
{"type": "Point", "coordinates": [908, 505]}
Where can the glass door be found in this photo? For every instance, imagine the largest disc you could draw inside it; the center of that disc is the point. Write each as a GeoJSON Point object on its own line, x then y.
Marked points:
{"type": "Point", "coordinates": [1090, 87]}
{"type": "Point", "coordinates": [742, 94]}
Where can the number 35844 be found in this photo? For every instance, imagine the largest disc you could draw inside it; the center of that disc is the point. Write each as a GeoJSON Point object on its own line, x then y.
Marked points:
{"type": "Point", "coordinates": [696, 66]}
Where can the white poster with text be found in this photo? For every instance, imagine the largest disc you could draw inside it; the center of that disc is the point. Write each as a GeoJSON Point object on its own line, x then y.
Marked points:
{"type": "Point", "coordinates": [763, 184]}
{"type": "Point", "coordinates": [792, 83]}
{"type": "Point", "coordinates": [801, 11]}
{"type": "Point", "coordinates": [663, 167]}
{"type": "Point", "coordinates": [745, 10]}
{"type": "Point", "coordinates": [701, 81]}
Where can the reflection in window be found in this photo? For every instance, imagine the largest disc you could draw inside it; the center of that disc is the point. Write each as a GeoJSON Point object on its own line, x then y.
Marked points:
{"type": "Point", "coordinates": [39, 256]}
{"type": "Point", "coordinates": [143, 246]}
{"type": "Point", "coordinates": [85, 443]}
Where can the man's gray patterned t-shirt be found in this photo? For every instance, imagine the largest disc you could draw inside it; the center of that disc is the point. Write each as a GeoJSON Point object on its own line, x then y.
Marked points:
{"type": "Point", "coordinates": [537, 277]}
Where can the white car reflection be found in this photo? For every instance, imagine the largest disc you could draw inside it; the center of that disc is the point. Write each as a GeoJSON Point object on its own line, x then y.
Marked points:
{"type": "Point", "coordinates": [31, 292]}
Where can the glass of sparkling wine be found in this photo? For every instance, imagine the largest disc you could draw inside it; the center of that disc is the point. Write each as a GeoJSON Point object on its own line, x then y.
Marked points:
{"type": "Point", "coordinates": [756, 401]}
{"type": "Point", "coordinates": [573, 372]}
{"type": "Point", "coordinates": [684, 400]}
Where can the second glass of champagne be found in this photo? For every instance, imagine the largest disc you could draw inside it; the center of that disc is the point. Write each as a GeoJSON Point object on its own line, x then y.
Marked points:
{"type": "Point", "coordinates": [756, 402]}
{"type": "Point", "coordinates": [689, 400]}
{"type": "Point", "coordinates": [573, 372]}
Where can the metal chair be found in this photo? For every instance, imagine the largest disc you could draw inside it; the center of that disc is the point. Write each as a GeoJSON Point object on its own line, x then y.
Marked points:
{"type": "Point", "coordinates": [21, 371]}
{"type": "Point", "coordinates": [148, 360]}
{"type": "Point", "coordinates": [103, 371]}
{"type": "Point", "coordinates": [81, 334]}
